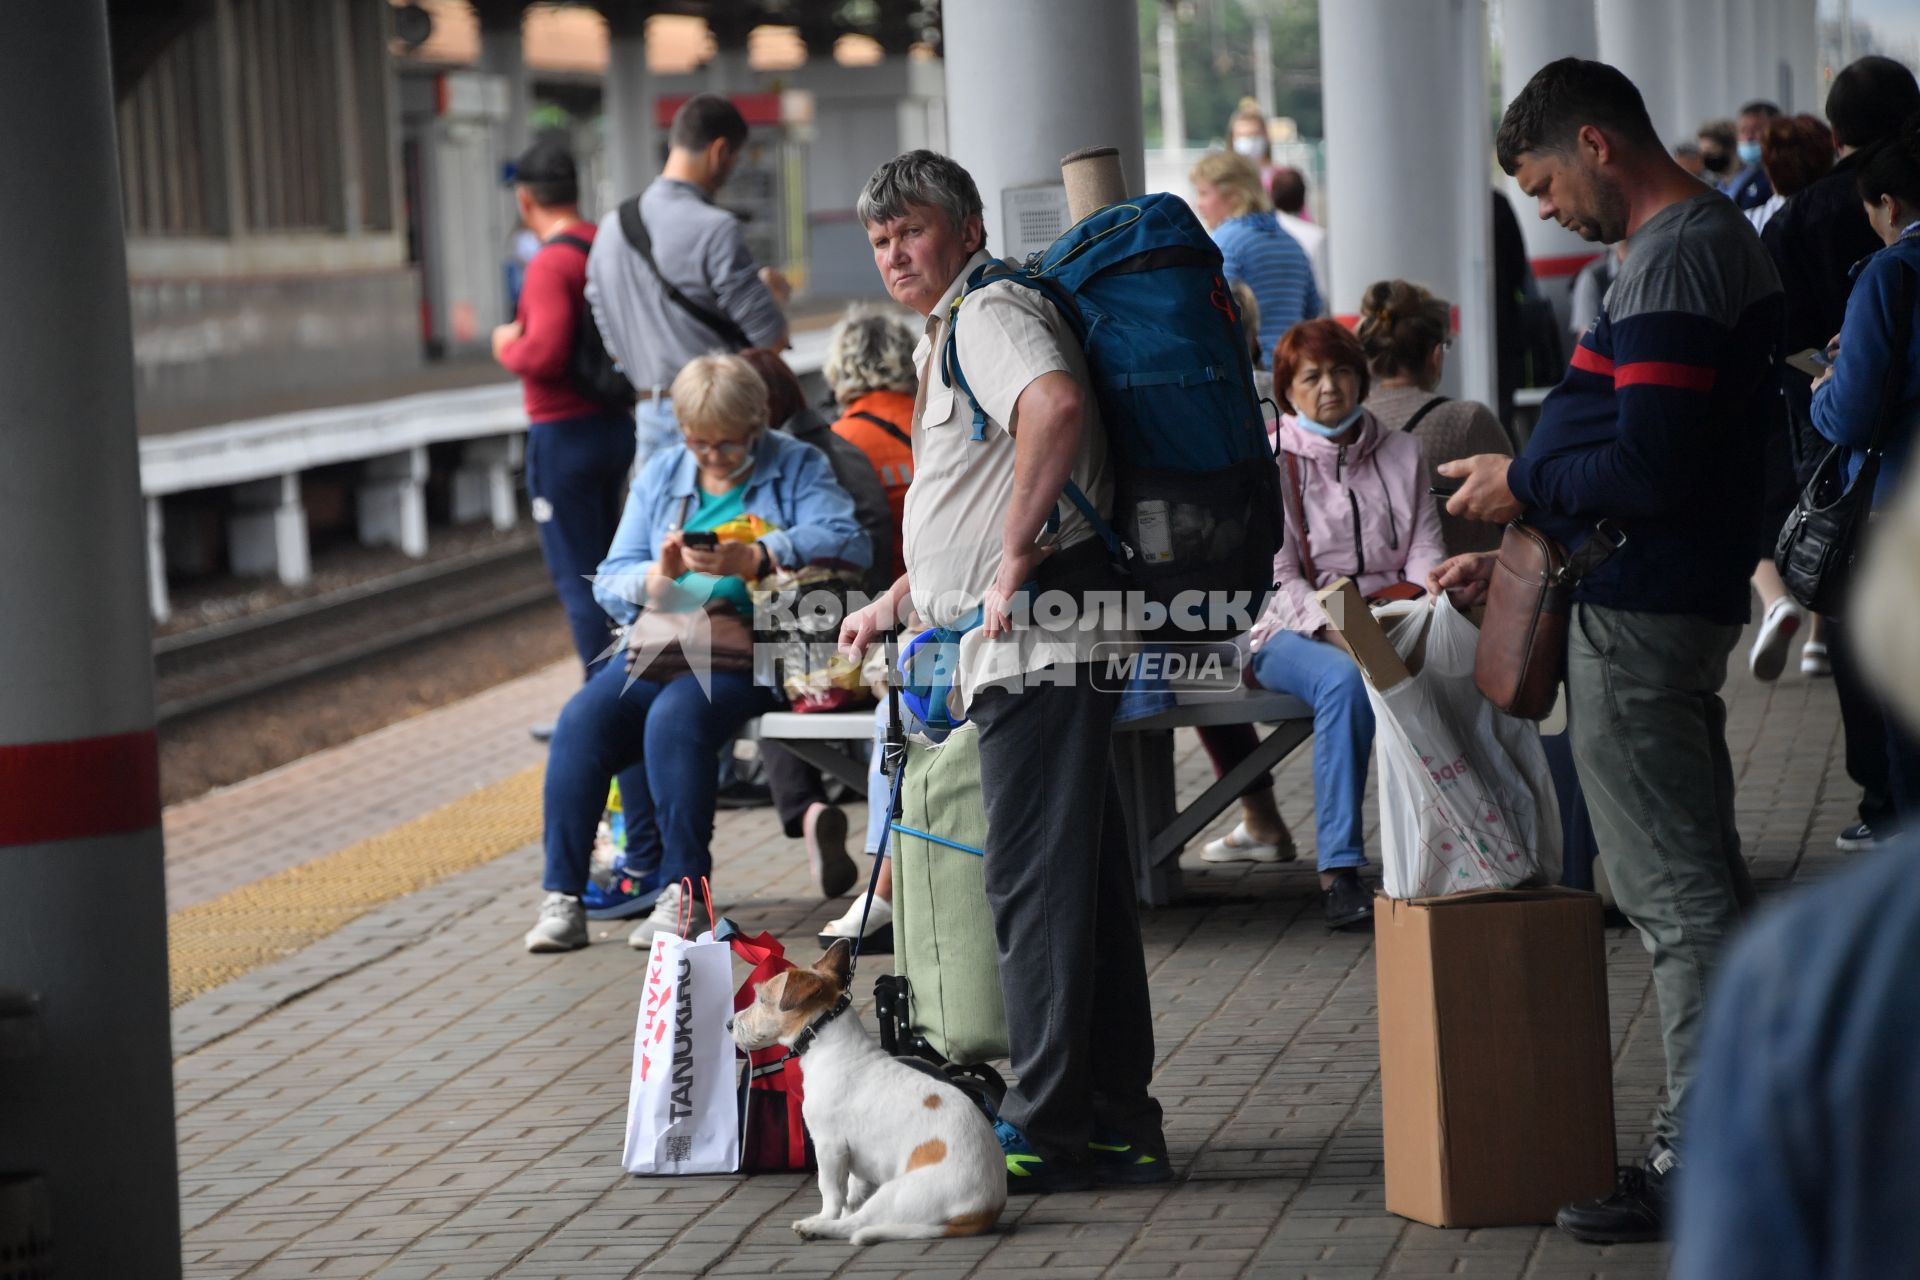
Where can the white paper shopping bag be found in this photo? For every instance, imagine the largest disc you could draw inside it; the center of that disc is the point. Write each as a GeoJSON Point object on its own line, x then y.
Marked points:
{"type": "Point", "coordinates": [682, 1114]}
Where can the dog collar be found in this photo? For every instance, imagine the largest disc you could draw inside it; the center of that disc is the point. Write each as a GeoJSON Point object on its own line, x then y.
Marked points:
{"type": "Point", "coordinates": [804, 1041]}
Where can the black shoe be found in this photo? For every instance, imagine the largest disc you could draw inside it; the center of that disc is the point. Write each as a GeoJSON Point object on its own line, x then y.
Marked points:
{"type": "Point", "coordinates": [1636, 1211]}
{"type": "Point", "coordinates": [1348, 902]}
{"type": "Point", "coordinates": [743, 795]}
{"type": "Point", "coordinates": [1858, 838]}
{"type": "Point", "coordinates": [542, 732]}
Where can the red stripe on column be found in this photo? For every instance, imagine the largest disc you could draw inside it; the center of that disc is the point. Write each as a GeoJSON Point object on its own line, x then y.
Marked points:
{"type": "Point", "coordinates": [87, 787]}
{"type": "Point", "coordinates": [1567, 264]}
{"type": "Point", "coordinates": [1663, 373]}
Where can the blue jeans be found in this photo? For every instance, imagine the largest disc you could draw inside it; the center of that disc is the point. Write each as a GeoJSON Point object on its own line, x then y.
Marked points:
{"type": "Point", "coordinates": [1329, 681]}
{"type": "Point", "coordinates": [666, 734]}
{"type": "Point", "coordinates": [654, 427]}
{"type": "Point", "coordinates": [577, 477]}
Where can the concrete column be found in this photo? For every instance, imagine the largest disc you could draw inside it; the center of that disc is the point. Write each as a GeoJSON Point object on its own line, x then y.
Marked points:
{"type": "Point", "coordinates": [1637, 37]}
{"type": "Point", "coordinates": [1434, 53]}
{"type": "Point", "coordinates": [1532, 35]}
{"type": "Point", "coordinates": [158, 602]}
{"type": "Point", "coordinates": [267, 530]}
{"type": "Point", "coordinates": [1741, 38]}
{"type": "Point", "coordinates": [483, 485]}
{"type": "Point", "coordinates": [502, 54]}
{"type": "Point", "coordinates": [86, 1095]}
{"type": "Point", "coordinates": [627, 102]}
{"type": "Point", "coordinates": [1800, 45]}
{"type": "Point", "coordinates": [1014, 107]}
{"type": "Point", "coordinates": [1262, 56]}
{"type": "Point", "coordinates": [1173, 108]}
{"type": "Point", "coordinates": [1701, 70]}
{"type": "Point", "coordinates": [393, 501]}
{"type": "Point", "coordinates": [729, 72]}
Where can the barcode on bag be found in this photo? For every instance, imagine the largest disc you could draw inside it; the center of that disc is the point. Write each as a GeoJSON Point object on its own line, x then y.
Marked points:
{"type": "Point", "coordinates": [679, 1150]}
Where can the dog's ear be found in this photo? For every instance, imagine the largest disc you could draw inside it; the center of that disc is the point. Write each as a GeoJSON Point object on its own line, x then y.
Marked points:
{"type": "Point", "coordinates": [837, 964]}
{"type": "Point", "coordinates": [802, 985]}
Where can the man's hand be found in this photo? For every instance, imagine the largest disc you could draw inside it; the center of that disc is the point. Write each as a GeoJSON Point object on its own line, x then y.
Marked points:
{"type": "Point", "coordinates": [1483, 492]}
{"type": "Point", "coordinates": [777, 284]}
{"type": "Point", "coordinates": [1467, 576]}
{"type": "Point", "coordinates": [1016, 570]}
{"type": "Point", "coordinates": [858, 629]}
{"type": "Point", "coordinates": [505, 333]}
{"type": "Point", "coordinates": [728, 560]}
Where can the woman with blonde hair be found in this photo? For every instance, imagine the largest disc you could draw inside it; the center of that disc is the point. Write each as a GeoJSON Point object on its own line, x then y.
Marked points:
{"type": "Point", "coordinates": [1406, 331]}
{"type": "Point", "coordinates": [1230, 200]}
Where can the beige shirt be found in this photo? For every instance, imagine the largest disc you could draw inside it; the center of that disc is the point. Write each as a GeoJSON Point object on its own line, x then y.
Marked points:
{"type": "Point", "coordinates": [962, 488]}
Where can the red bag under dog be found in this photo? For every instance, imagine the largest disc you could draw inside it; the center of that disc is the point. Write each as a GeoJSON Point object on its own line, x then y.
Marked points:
{"type": "Point", "coordinates": [773, 1137]}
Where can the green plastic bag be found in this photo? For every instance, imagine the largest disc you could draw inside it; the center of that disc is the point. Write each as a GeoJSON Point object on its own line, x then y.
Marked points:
{"type": "Point", "coordinates": [942, 927]}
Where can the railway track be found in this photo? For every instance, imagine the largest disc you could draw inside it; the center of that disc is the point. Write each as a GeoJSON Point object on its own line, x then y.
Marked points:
{"type": "Point", "coordinates": [228, 662]}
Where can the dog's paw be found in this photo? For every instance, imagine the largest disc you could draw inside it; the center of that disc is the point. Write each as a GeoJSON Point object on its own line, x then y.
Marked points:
{"type": "Point", "coordinates": [814, 1228]}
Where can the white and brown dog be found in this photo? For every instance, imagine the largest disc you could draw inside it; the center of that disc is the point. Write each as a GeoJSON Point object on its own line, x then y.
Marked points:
{"type": "Point", "coordinates": [903, 1156]}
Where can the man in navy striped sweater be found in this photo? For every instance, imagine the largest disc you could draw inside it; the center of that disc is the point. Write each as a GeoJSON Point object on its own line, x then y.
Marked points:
{"type": "Point", "coordinates": [1657, 428]}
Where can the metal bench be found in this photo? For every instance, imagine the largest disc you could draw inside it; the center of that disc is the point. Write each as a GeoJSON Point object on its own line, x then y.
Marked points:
{"type": "Point", "coordinates": [1157, 827]}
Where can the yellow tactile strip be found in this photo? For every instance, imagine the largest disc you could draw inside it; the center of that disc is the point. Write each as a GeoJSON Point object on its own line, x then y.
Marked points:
{"type": "Point", "coordinates": [216, 941]}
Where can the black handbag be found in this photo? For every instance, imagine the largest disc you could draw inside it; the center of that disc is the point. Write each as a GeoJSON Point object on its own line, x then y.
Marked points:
{"type": "Point", "coordinates": [1820, 540]}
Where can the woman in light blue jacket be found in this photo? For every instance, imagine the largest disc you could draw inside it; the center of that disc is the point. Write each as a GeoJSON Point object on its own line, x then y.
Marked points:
{"type": "Point", "coordinates": [729, 470]}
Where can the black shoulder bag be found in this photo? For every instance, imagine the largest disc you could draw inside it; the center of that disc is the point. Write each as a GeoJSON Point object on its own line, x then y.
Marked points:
{"type": "Point", "coordinates": [590, 367]}
{"type": "Point", "coordinates": [1820, 539]}
{"type": "Point", "coordinates": [635, 229]}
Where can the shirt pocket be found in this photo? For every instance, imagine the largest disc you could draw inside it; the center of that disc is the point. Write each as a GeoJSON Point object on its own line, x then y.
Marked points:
{"type": "Point", "coordinates": [939, 405]}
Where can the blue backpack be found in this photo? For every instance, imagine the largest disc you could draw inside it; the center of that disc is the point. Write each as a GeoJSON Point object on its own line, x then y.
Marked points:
{"type": "Point", "coordinates": [1197, 490]}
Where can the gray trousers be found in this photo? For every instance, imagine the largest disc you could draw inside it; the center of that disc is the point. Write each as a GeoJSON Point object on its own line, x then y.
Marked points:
{"type": "Point", "coordinates": [1072, 974]}
{"type": "Point", "coordinates": [1649, 736]}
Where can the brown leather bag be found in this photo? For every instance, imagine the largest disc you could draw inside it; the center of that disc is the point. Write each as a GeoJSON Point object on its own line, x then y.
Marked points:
{"type": "Point", "coordinates": [1522, 653]}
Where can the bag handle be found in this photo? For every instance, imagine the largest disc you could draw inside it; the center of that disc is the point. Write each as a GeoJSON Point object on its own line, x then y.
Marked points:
{"type": "Point", "coordinates": [1422, 412]}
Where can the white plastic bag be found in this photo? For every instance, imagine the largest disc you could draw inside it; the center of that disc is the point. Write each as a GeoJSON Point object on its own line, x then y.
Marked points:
{"type": "Point", "coordinates": [1466, 800]}
{"type": "Point", "coordinates": [682, 1110]}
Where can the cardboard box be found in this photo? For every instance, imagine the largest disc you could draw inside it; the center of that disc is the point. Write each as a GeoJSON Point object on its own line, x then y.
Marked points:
{"type": "Point", "coordinates": [1495, 1065]}
{"type": "Point", "coordinates": [1356, 631]}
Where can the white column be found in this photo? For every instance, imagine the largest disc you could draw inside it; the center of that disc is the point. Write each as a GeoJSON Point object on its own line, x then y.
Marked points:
{"type": "Point", "coordinates": [267, 530]}
{"type": "Point", "coordinates": [627, 104]}
{"type": "Point", "coordinates": [483, 486]}
{"type": "Point", "coordinates": [1262, 56]}
{"type": "Point", "coordinates": [1637, 37]}
{"type": "Point", "coordinates": [1015, 107]}
{"type": "Point", "coordinates": [86, 1109]}
{"type": "Point", "coordinates": [158, 602]}
{"type": "Point", "coordinates": [1434, 53]}
{"type": "Point", "coordinates": [1769, 26]}
{"type": "Point", "coordinates": [393, 501]}
{"type": "Point", "coordinates": [1173, 107]}
{"type": "Point", "coordinates": [1534, 33]}
{"type": "Point", "coordinates": [1701, 66]}
{"type": "Point", "coordinates": [1741, 36]}
{"type": "Point", "coordinates": [502, 54]}
{"type": "Point", "coordinates": [1800, 45]}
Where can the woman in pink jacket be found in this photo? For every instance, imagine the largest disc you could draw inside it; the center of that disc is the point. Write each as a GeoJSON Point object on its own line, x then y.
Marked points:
{"type": "Point", "coordinates": [1357, 507]}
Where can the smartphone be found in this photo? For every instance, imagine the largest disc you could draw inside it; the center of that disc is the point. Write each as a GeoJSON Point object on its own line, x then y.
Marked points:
{"type": "Point", "coordinates": [1813, 362]}
{"type": "Point", "coordinates": [1444, 490]}
{"type": "Point", "coordinates": [705, 539]}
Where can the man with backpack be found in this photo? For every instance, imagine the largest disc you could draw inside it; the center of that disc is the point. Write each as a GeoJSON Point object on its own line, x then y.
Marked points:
{"type": "Point", "coordinates": [671, 277]}
{"type": "Point", "coordinates": [580, 438]}
{"type": "Point", "coordinates": [986, 532]}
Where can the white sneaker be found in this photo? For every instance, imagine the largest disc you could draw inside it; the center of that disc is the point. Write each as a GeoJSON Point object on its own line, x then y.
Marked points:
{"type": "Point", "coordinates": [1238, 845]}
{"type": "Point", "coordinates": [1768, 657]}
{"type": "Point", "coordinates": [1814, 662]}
{"type": "Point", "coordinates": [665, 918]}
{"type": "Point", "coordinates": [562, 925]}
{"type": "Point", "coordinates": [879, 936]}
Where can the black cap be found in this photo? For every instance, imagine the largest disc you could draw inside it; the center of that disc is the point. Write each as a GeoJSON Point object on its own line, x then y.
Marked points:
{"type": "Point", "coordinates": [547, 161]}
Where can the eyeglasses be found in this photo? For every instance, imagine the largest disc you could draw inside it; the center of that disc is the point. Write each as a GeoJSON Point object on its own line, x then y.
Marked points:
{"type": "Point", "coordinates": [723, 448]}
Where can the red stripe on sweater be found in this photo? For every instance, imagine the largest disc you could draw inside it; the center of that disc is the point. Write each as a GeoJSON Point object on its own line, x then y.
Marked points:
{"type": "Point", "coordinates": [1590, 361]}
{"type": "Point", "coordinates": [87, 787]}
{"type": "Point", "coordinates": [1662, 373]}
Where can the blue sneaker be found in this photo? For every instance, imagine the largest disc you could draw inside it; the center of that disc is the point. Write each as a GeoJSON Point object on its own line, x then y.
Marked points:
{"type": "Point", "coordinates": [1117, 1161]}
{"type": "Point", "coordinates": [629, 893]}
{"type": "Point", "coordinates": [1028, 1172]}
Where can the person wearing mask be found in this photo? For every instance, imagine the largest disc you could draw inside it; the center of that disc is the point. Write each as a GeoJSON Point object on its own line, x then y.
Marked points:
{"type": "Point", "coordinates": [1234, 206]}
{"type": "Point", "coordinates": [1687, 156]}
{"type": "Point", "coordinates": [1356, 504]}
{"type": "Point", "coordinates": [1795, 152]}
{"type": "Point", "coordinates": [1247, 137]}
{"type": "Point", "coordinates": [1815, 240]}
{"type": "Point", "coordinates": [1718, 141]}
{"type": "Point", "coordinates": [1653, 429]}
{"type": "Point", "coordinates": [1406, 332]}
{"type": "Point", "coordinates": [799, 792]}
{"type": "Point", "coordinates": [731, 471]}
{"type": "Point", "coordinates": [1748, 186]}
{"type": "Point", "coordinates": [578, 449]}
{"type": "Point", "coordinates": [697, 289]}
{"type": "Point", "coordinates": [1287, 188]}
{"type": "Point", "coordinates": [1876, 375]}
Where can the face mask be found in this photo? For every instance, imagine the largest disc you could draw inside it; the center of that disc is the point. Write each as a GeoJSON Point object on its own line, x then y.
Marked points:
{"type": "Point", "coordinates": [1326, 432]}
{"type": "Point", "coordinates": [1250, 146]}
{"type": "Point", "coordinates": [1716, 161]}
{"type": "Point", "coordinates": [1749, 153]}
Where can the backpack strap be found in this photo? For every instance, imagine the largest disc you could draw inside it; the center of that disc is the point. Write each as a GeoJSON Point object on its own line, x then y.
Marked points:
{"type": "Point", "coordinates": [572, 242]}
{"type": "Point", "coordinates": [634, 227]}
{"type": "Point", "coordinates": [885, 426]}
{"type": "Point", "coordinates": [1422, 412]}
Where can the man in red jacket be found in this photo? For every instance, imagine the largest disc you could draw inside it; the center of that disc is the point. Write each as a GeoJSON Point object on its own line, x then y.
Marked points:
{"type": "Point", "coordinates": [579, 449]}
